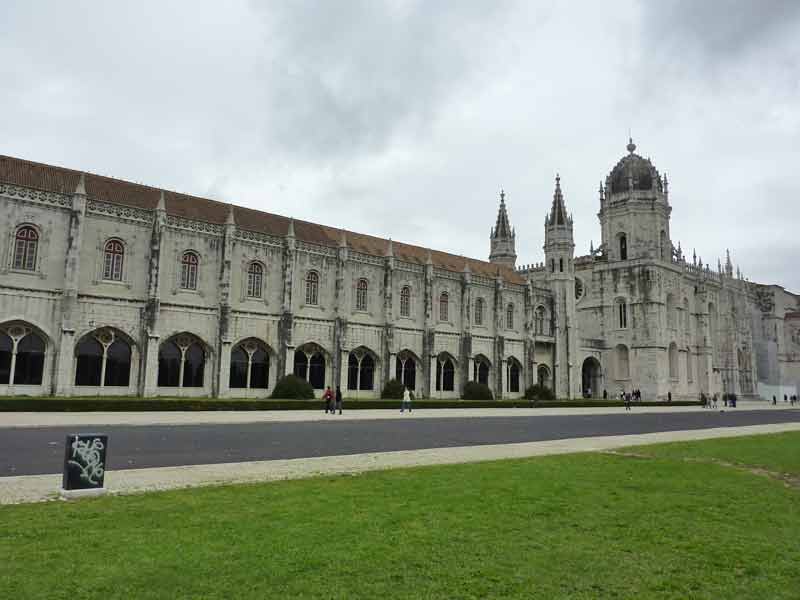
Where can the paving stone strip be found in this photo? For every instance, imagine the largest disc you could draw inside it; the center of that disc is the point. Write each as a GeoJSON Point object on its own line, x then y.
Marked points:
{"type": "Point", "coordinates": [38, 488]}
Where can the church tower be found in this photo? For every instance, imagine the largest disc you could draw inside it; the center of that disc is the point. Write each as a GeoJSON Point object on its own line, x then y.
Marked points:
{"type": "Point", "coordinates": [559, 251]}
{"type": "Point", "coordinates": [634, 211]}
{"type": "Point", "coordinates": [502, 238]}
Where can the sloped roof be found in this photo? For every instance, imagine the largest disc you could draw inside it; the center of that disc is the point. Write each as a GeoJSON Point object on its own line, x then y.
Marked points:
{"type": "Point", "coordinates": [51, 178]}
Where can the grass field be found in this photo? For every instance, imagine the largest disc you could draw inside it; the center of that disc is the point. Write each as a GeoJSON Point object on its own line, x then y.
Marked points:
{"type": "Point", "coordinates": [664, 522]}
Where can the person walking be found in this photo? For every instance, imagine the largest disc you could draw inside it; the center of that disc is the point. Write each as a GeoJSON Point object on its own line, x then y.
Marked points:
{"type": "Point", "coordinates": [714, 400]}
{"type": "Point", "coordinates": [627, 398]}
{"type": "Point", "coordinates": [605, 394]}
{"type": "Point", "coordinates": [669, 396]}
{"type": "Point", "coordinates": [328, 397]}
{"type": "Point", "coordinates": [406, 403]}
{"type": "Point", "coordinates": [338, 399]}
{"type": "Point", "coordinates": [774, 400]}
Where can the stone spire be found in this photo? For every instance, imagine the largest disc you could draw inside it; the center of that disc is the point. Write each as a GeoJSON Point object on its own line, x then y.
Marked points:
{"type": "Point", "coordinates": [162, 205]}
{"type": "Point", "coordinates": [502, 242]}
{"type": "Point", "coordinates": [290, 230]}
{"type": "Point", "coordinates": [558, 213]}
{"type": "Point", "coordinates": [389, 249]}
{"type": "Point", "coordinates": [231, 220]}
{"type": "Point", "coordinates": [343, 239]}
{"type": "Point", "coordinates": [728, 264]}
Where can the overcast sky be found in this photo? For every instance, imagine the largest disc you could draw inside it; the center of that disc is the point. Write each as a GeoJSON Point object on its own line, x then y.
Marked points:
{"type": "Point", "coordinates": [404, 119]}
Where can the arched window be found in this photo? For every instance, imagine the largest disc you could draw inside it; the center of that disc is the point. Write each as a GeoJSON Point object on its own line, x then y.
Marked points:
{"type": "Point", "coordinates": [689, 370]}
{"type": "Point", "coordinates": [361, 294]}
{"type": "Point", "coordinates": [623, 247]}
{"type": "Point", "coordinates": [255, 277]}
{"type": "Point", "coordinates": [444, 305]}
{"type": "Point", "coordinates": [673, 361]}
{"type": "Point", "coordinates": [445, 375]}
{"type": "Point", "coordinates": [662, 245]}
{"type": "Point", "coordinates": [360, 371]}
{"type": "Point", "coordinates": [622, 314]}
{"type": "Point", "coordinates": [309, 364]}
{"type": "Point", "coordinates": [552, 265]}
{"type": "Point", "coordinates": [479, 311]}
{"type": "Point", "coordinates": [510, 316]}
{"type": "Point", "coordinates": [249, 366]}
{"type": "Point", "coordinates": [513, 370]}
{"type": "Point", "coordinates": [112, 262]}
{"type": "Point", "coordinates": [406, 370]}
{"type": "Point", "coordinates": [561, 265]}
{"type": "Point", "coordinates": [21, 356]}
{"type": "Point", "coordinates": [538, 320]}
{"type": "Point", "coordinates": [543, 376]}
{"type": "Point", "coordinates": [480, 370]}
{"type": "Point", "coordinates": [189, 262]}
{"type": "Point", "coordinates": [181, 362]}
{"type": "Point", "coordinates": [103, 359]}
{"type": "Point", "coordinates": [405, 301]}
{"type": "Point", "coordinates": [312, 288]}
{"type": "Point", "coordinates": [623, 363]}
{"type": "Point", "coordinates": [25, 246]}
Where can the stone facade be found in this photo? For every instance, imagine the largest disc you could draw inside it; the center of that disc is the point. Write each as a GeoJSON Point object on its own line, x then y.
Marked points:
{"type": "Point", "coordinates": [113, 288]}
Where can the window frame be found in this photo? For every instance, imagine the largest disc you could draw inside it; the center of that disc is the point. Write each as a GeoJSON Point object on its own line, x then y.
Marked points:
{"type": "Point", "coordinates": [113, 260]}
{"type": "Point", "coordinates": [405, 301]}
{"type": "Point", "coordinates": [444, 307]}
{"type": "Point", "coordinates": [25, 254]}
{"type": "Point", "coordinates": [312, 288]}
{"type": "Point", "coordinates": [255, 280]}
{"type": "Point", "coordinates": [190, 271]}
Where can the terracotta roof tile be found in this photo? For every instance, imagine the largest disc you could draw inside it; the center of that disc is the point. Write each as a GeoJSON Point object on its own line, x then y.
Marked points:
{"type": "Point", "coordinates": [58, 179]}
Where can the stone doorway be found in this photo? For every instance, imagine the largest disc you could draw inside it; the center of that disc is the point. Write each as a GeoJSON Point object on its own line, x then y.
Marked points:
{"type": "Point", "coordinates": [591, 378]}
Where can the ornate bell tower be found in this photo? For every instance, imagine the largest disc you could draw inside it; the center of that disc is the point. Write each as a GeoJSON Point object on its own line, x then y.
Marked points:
{"type": "Point", "coordinates": [559, 252]}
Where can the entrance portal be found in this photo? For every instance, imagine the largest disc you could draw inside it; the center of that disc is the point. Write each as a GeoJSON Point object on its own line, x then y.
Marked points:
{"type": "Point", "coordinates": [592, 378]}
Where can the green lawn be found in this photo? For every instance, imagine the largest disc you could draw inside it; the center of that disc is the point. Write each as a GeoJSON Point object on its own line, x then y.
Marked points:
{"type": "Point", "coordinates": [579, 526]}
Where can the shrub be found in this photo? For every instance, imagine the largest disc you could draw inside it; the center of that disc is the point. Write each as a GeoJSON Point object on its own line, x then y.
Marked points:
{"type": "Point", "coordinates": [539, 392]}
{"type": "Point", "coordinates": [393, 390]}
{"type": "Point", "coordinates": [477, 391]}
{"type": "Point", "coordinates": [291, 387]}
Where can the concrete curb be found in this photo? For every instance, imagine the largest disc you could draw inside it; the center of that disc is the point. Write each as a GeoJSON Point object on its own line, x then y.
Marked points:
{"type": "Point", "coordinates": [38, 488]}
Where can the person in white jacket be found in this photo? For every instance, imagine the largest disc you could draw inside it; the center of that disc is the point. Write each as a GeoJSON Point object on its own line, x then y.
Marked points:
{"type": "Point", "coordinates": [406, 400]}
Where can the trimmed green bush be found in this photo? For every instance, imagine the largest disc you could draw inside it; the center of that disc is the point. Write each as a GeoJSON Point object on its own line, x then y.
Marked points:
{"type": "Point", "coordinates": [477, 391]}
{"type": "Point", "coordinates": [393, 390]}
{"type": "Point", "coordinates": [539, 392]}
{"type": "Point", "coordinates": [291, 387]}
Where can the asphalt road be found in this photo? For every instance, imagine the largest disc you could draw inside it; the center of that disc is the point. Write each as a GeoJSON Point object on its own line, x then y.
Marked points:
{"type": "Point", "coordinates": [32, 451]}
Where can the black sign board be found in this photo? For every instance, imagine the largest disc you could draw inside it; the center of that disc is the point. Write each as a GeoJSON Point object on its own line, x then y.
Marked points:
{"type": "Point", "coordinates": [85, 461]}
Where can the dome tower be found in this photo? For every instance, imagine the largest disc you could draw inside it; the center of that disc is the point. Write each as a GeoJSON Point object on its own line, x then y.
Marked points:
{"type": "Point", "coordinates": [634, 210]}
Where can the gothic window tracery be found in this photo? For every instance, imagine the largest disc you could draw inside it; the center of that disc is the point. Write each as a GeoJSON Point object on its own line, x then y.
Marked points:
{"type": "Point", "coordinates": [513, 371]}
{"type": "Point", "coordinates": [360, 370]}
{"type": "Point", "coordinates": [406, 370]}
{"type": "Point", "coordinates": [26, 244]}
{"type": "Point", "coordinates": [103, 359]}
{"type": "Point", "coordinates": [181, 362]}
{"type": "Point", "coordinates": [445, 374]}
{"type": "Point", "coordinates": [510, 316]}
{"type": "Point", "coordinates": [623, 247]}
{"type": "Point", "coordinates": [309, 364]}
{"type": "Point", "coordinates": [22, 353]}
{"type": "Point", "coordinates": [113, 257]}
{"type": "Point", "coordinates": [249, 366]}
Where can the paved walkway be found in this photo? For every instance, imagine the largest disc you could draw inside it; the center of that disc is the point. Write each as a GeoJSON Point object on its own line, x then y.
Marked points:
{"type": "Point", "coordinates": [57, 419]}
{"type": "Point", "coordinates": [36, 488]}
